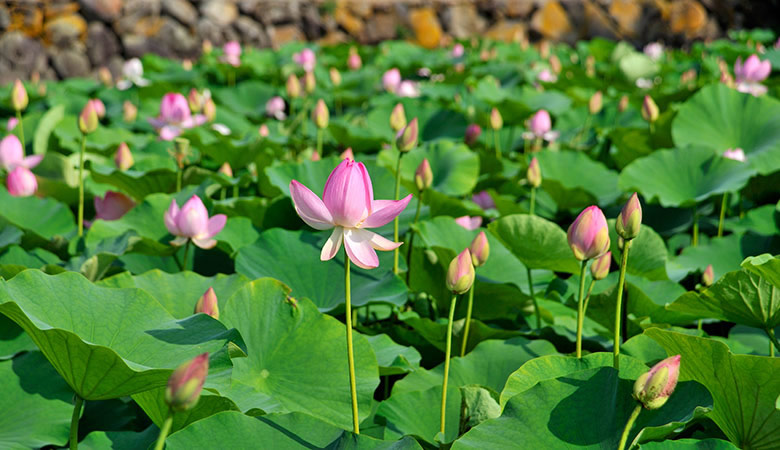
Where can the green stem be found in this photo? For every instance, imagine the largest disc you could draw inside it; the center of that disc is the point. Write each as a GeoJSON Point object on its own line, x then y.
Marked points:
{"type": "Point", "coordinates": [619, 303]}
{"type": "Point", "coordinates": [350, 355]}
{"type": "Point", "coordinates": [587, 297]}
{"type": "Point", "coordinates": [186, 253]}
{"type": "Point", "coordinates": [395, 221]}
{"type": "Point", "coordinates": [537, 313]}
{"type": "Point", "coordinates": [166, 428]}
{"type": "Point", "coordinates": [319, 142]}
{"type": "Point", "coordinates": [447, 351]}
{"type": "Point", "coordinates": [222, 193]}
{"type": "Point", "coordinates": [235, 191]}
{"type": "Point", "coordinates": [629, 425]}
{"type": "Point", "coordinates": [179, 175]}
{"type": "Point", "coordinates": [698, 326]}
{"type": "Point", "coordinates": [81, 184]}
{"type": "Point", "coordinates": [581, 308]}
{"type": "Point", "coordinates": [20, 125]}
{"type": "Point", "coordinates": [695, 238]}
{"type": "Point", "coordinates": [411, 237]}
{"type": "Point", "coordinates": [771, 333]}
{"type": "Point", "coordinates": [468, 322]}
{"type": "Point", "coordinates": [74, 423]}
{"type": "Point", "coordinates": [497, 144]}
{"type": "Point", "coordinates": [723, 206]}
{"type": "Point", "coordinates": [533, 201]}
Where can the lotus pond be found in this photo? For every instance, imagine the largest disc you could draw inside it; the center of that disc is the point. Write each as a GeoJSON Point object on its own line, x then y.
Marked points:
{"type": "Point", "coordinates": [543, 247]}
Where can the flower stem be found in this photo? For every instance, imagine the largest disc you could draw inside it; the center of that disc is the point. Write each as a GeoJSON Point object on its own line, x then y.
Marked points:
{"type": "Point", "coordinates": [395, 221]}
{"type": "Point", "coordinates": [411, 238]}
{"type": "Point", "coordinates": [179, 175]}
{"type": "Point", "coordinates": [468, 322]}
{"type": "Point", "coordinates": [186, 253]}
{"type": "Point", "coordinates": [235, 191]}
{"type": "Point", "coordinates": [166, 428]}
{"type": "Point", "coordinates": [319, 142]}
{"type": "Point", "coordinates": [581, 308]}
{"type": "Point", "coordinates": [74, 423]}
{"type": "Point", "coordinates": [723, 206]}
{"type": "Point", "coordinates": [350, 357]}
{"type": "Point", "coordinates": [497, 144]}
{"type": "Point", "coordinates": [537, 312]}
{"type": "Point", "coordinates": [20, 125]}
{"type": "Point", "coordinates": [771, 333]}
{"type": "Point", "coordinates": [81, 184]}
{"type": "Point", "coordinates": [695, 237]}
{"type": "Point", "coordinates": [587, 297]}
{"type": "Point", "coordinates": [619, 304]}
{"type": "Point", "coordinates": [447, 351]}
{"type": "Point", "coordinates": [629, 425]}
{"type": "Point", "coordinates": [533, 201]}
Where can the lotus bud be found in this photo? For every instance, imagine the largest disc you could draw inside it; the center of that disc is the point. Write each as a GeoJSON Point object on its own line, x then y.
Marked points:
{"type": "Point", "coordinates": [353, 61]}
{"type": "Point", "coordinates": [335, 76]}
{"type": "Point", "coordinates": [19, 97]}
{"type": "Point", "coordinates": [407, 139]}
{"type": "Point", "coordinates": [129, 111]}
{"type": "Point", "coordinates": [555, 64]}
{"type": "Point", "coordinates": [123, 157]}
{"type": "Point", "coordinates": [472, 134]}
{"type": "Point", "coordinates": [263, 130]}
{"type": "Point", "coordinates": [293, 87]}
{"type": "Point", "coordinates": [460, 275]}
{"type": "Point", "coordinates": [653, 388]}
{"type": "Point", "coordinates": [207, 304]}
{"type": "Point", "coordinates": [595, 103]}
{"type": "Point", "coordinates": [649, 109]}
{"type": "Point", "coordinates": [315, 156]}
{"type": "Point", "coordinates": [88, 119]}
{"type": "Point", "coordinates": [105, 77]}
{"type": "Point", "coordinates": [100, 108]}
{"type": "Point", "coordinates": [309, 82]}
{"type": "Point", "coordinates": [496, 121]}
{"type": "Point", "coordinates": [210, 109]}
{"type": "Point", "coordinates": [630, 219]}
{"type": "Point", "coordinates": [534, 173]}
{"type": "Point", "coordinates": [186, 383]}
{"type": "Point", "coordinates": [226, 170]}
{"type": "Point", "coordinates": [590, 66]}
{"type": "Point", "coordinates": [207, 47]}
{"type": "Point", "coordinates": [540, 123]}
{"type": "Point", "coordinates": [195, 100]}
{"type": "Point", "coordinates": [186, 64]}
{"type": "Point", "coordinates": [479, 249]}
{"type": "Point", "coordinates": [423, 176]}
{"type": "Point", "coordinates": [599, 269]}
{"type": "Point", "coordinates": [320, 114]}
{"type": "Point", "coordinates": [347, 154]}
{"type": "Point", "coordinates": [588, 236]}
{"type": "Point", "coordinates": [708, 277]}
{"type": "Point", "coordinates": [623, 103]}
{"type": "Point", "coordinates": [12, 123]}
{"type": "Point", "coordinates": [20, 182]}
{"type": "Point", "coordinates": [398, 118]}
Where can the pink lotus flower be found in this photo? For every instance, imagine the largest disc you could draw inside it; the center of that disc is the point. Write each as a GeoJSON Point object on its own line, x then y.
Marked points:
{"type": "Point", "coordinates": [12, 123]}
{"type": "Point", "coordinates": [750, 75]}
{"type": "Point", "coordinates": [460, 274]}
{"type": "Point", "coordinates": [348, 206]}
{"type": "Point", "coordinates": [469, 223]}
{"type": "Point", "coordinates": [193, 222]}
{"type": "Point", "coordinates": [12, 155]}
{"type": "Point", "coordinates": [736, 154]}
{"type": "Point", "coordinates": [540, 127]}
{"type": "Point", "coordinates": [21, 182]}
{"type": "Point", "coordinates": [207, 304]}
{"type": "Point", "coordinates": [484, 200]}
{"type": "Point", "coordinates": [588, 236]}
{"type": "Point", "coordinates": [232, 53]}
{"type": "Point", "coordinates": [654, 50]}
{"type": "Point", "coordinates": [306, 58]}
{"type": "Point", "coordinates": [653, 388]}
{"type": "Point", "coordinates": [458, 50]}
{"type": "Point", "coordinates": [186, 383]}
{"type": "Point", "coordinates": [175, 116]}
{"type": "Point", "coordinates": [472, 134]}
{"type": "Point", "coordinates": [408, 88]}
{"type": "Point", "coordinates": [112, 206]}
{"type": "Point", "coordinates": [391, 80]}
{"type": "Point", "coordinates": [274, 107]}
{"type": "Point", "coordinates": [546, 76]}
{"type": "Point", "coordinates": [353, 60]}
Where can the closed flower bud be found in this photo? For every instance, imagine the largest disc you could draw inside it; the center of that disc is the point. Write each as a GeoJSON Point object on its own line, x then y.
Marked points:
{"type": "Point", "coordinates": [88, 119]}
{"type": "Point", "coordinates": [708, 277]}
{"type": "Point", "coordinates": [309, 82]}
{"type": "Point", "coordinates": [19, 97]}
{"type": "Point", "coordinates": [123, 157]}
{"type": "Point", "coordinates": [207, 304]}
{"type": "Point", "coordinates": [623, 103]}
{"type": "Point", "coordinates": [480, 249]}
{"type": "Point", "coordinates": [496, 121]}
{"type": "Point", "coordinates": [186, 383]}
{"type": "Point", "coordinates": [335, 76]}
{"type": "Point", "coordinates": [653, 388]}
{"type": "Point", "coordinates": [105, 77]}
{"type": "Point", "coordinates": [207, 47]}
{"type": "Point", "coordinates": [129, 111]}
{"type": "Point", "coordinates": [195, 100]}
{"type": "Point", "coordinates": [353, 61]}
{"type": "Point", "coordinates": [630, 219]}
{"type": "Point", "coordinates": [293, 86]}
{"type": "Point", "coordinates": [407, 139]}
{"type": "Point", "coordinates": [472, 134]}
{"type": "Point", "coordinates": [460, 275]}
{"type": "Point", "coordinates": [649, 109]}
{"type": "Point", "coordinates": [423, 176]}
{"type": "Point", "coordinates": [588, 236]}
{"type": "Point", "coordinates": [210, 110]}
{"type": "Point", "coordinates": [595, 103]}
{"type": "Point", "coordinates": [534, 173]}
{"type": "Point", "coordinates": [398, 118]}
{"type": "Point", "coordinates": [347, 154]}
{"type": "Point", "coordinates": [100, 108]}
{"type": "Point", "coordinates": [226, 170]}
{"type": "Point", "coordinates": [20, 182]}
{"type": "Point", "coordinates": [540, 123]}
{"type": "Point", "coordinates": [263, 131]}
{"type": "Point", "coordinates": [600, 266]}
{"type": "Point", "coordinates": [320, 115]}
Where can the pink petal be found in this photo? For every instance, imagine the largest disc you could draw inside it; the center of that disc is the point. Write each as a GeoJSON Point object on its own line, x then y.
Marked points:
{"type": "Point", "coordinates": [216, 224]}
{"type": "Point", "coordinates": [332, 245]}
{"type": "Point", "coordinates": [194, 121]}
{"type": "Point", "coordinates": [193, 218]}
{"type": "Point", "coordinates": [359, 249]}
{"type": "Point", "coordinates": [309, 207]}
{"type": "Point", "coordinates": [469, 223]}
{"type": "Point", "coordinates": [348, 194]}
{"type": "Point", "coordinates": [11, 152]}
{"type": "Point", "coordinates": [179, 241]}
{"type": "Point", "coordinates": [157, 123]}
{"type": "Point", "coordinates": [383, 211]}
{"type": "Point", "coordinates": [762, 71]}
{"type": "Point", "coordinates": [170, 218]}
{"type": "Point", "coordinates": [379, 242]}
{"type": "Point", "coordinates": [204, 243]}
{"type": "Point", "coordinates": [169, 132]}
{"type": "Point", "coordinates": [32, 161]}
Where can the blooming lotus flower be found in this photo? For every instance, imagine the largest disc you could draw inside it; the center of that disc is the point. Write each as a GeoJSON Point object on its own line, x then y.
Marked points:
{"type": "Point", "coordinates": [484, 200]}
{"type": "Point", "coordinates": [207, 304]}
{"type": "Point", "coordinates": [231, 53]}
{"type": "Point", "coordinates": [186, 383]}
{"type": "Point", "coordinates": [19, 97]}
{"type": "Point", "coordinates": [736, 154]}
{"type": "Point", "coordinates": [408, 88]}
{"type": "Point", "coordinates": [193, 222]}
{"type": "Point", "coordinates": [123, 157]}
{"type": "Point", "coordinates": [460, 274]}
{"type": "Point", "coordinates": [133, 73]}
{"type": "Point", "coordinates": [175, 116]}
{"type": "Point", "coordinates": [653, 388]}
{"type": "Point", "coordinates": [12, 155]}
{"type": "Point", "coordinates": [480, 249]}
{"type": "Point", "coordinates": [21, 182]}
{"type": "Point", "coordinates": [708, 277]}
{"type": "Point", "coordinates": [588, 236]}
{"type": "Point", "coordinates": [458, 50]}
{"type": "Point", "coordinates": [391, 80]}
{"type": "Point", "coordinates": [654, 50]}
{"type": "Point", "coordinates": [353, 60]}
{"type": "Point", "coordinates": [112, 206]}
{"type": "Point", "coordinates": [472, 134]}
{"type": "Point", "coordinates": [469, 223]}
{"type": "Point", "coordinates": [12, 123]}
{"type": "Point", "coordinates": [750, 75]}
{"type": "Point", "coordinates": [540, 127]}
{"type": "Point", "coordinates": [599, 269]}
{"type": "Point", "coordinates": [306, 58]}
{"type": "Point", "coordinates": [348, 206]}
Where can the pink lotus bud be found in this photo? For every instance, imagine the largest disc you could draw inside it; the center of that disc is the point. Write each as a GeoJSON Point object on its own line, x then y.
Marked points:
{"type": "Point", "coordinates": [105, 77]}
{"type": "Point", "coordinates": [398, 118]}
{"type": "Point", "coordinates": [12, 123]}
{"type": "Point", "coordinates": [320, 114]}
{"type": "Point", "coordinates": [263, 130]}
{"type": "Point", "coordinates": [653, 388]}
{"type": "Point", "coordinates": [391, 80]}
{"type": "Point", "coordinates": [736, 154]}
{"type": "Point", "coordinates": [293, 86]}
{"type": "Point", "coordinates": [407, 139]}
{"type": "Point", "coordinates": [496, 121]}
{"type": "Point", "coordinates": [186, 64]}
{"type": "Point", "coordinates": [315, 156]}
{"type": "Point", "coordinates": [20, 182]}
{"type": "Point", "coordinates": [195, 100]}
{"type": "Point", "coordinates": [555, 64]}
{"type": "Point", "coordinates": [193, 222]}
{"type": "Point", "coordinates": [207, 304]}
{"type": "Point", "coordinates": [458, 50]}
{"type": "Point", "coordinates": [588, 236]}
{"type": "Point", "coordinates": [19, 97]}
{"type": "Point", "coordinates": [595, 103]}
{"type": "Point", "coordinates": [534, 173]}
{"type": "Point", "coordinates": [306, 58]}
{"type": "Point", "coordinates": [480, 249]}
{"type": "Point", "coordinates": [232, 53]}
{"type": "Point", "coordinates": [423, 176]}
{"type": "Point", "coordinates": [12, 154]}
{"type": "Point", "coordinates": [649, 109]}
{"type": "Point", "coordinates": [210, 110]}
{"type": "Point", "coordinates": [88, 119]}
{"type": "Point", "coordinates": [655, 50]}
{"type": "Point", "coordinates": [123, 157]}
{"type": "Point", "coordinates": [469, 223]}
{"type": "Point", "coordinates": [226, 170]}
{"type": "Point", "coordinates": [129, 111]}
{"type": "Point", "coordinates": [207, 47]}
{"type": "Point", "coordinates": [484, 200]}
{"type": "Point", "coordinates": [623, 103]}
{"type": "Point", "coordinates": [186, 383]}
{"type": "Point", "coordinates": [353, 60]}
{"type": "Point", "coordinates": [599, 268]}
{"type": "Point", "coordinates": [460, 275]}
{"type": "Point", "coordinates": [708, 277]}
{"type": "Point", "coordinates": [275, 107]}
{"type": "Point", "coordinates": [472, 134]}
{"type": "Point", "coordinates": [629, 221]}
{"type": "Point", "coordinates": [100, 108]}
{"type": "Point", "coordinates": [540, 123]}
{"type": "Point", "coordinates": [309, 82]}
{"type": "Point", "coordinates": [335, 76]}
{"type": "Point", "coordinates": [347, 154]}
{"type": "Point", "coordinates": [112, 206]}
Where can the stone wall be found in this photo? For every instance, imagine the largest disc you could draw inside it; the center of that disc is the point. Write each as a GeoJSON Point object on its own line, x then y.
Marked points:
{"type": "Point", "coordinates": [65, 38]}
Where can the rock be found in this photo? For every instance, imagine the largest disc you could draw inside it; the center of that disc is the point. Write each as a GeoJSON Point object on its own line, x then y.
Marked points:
{"type": "Point", "coordinates": [687, 17]}
{"type": "Point", "coordinates": [70, 63]}
{"type": "Point", "coordinates": [426, 27]}
{"type": "Point", "coordinates": [175, 41]}
{"type": "Point", "coordinates": [275, 12]}
{"type": "Point", "coordinates": [462, 20]}
{"type": "Point", "coordinates": [283, 34]}
{"type": "Point", "coordinates": [216, 34]}
{"type": "Point", "coordinates": [27, 19]}
{"type": "Point", "coordinates": [53, 9]}
{"type": "Point", "coordinates": [551, 21]}
{"type": "Point", "coordinates": [311, 20]}
{"type": "Point", "coordinates": [102, 44]}
{"type": "Point", "coordinates": [65, 31]}
{"type": "Point", "coordinates": [134, 12]}
{"type": "Point", "coordinates": [507, 31]}
{"type": "Point", "coordinates": [627, 14]}
{"type": "Point", "coordinates": [334, 38]}
{"type": "Point", "coordinates": [181, 10]}
{"type": "Point", "coordinates": [251, 32]}
{"type": "Point", "coordinates": [361, 9]}
{"type": "Point", "coordinates": [518, 8]}
{"type": "Point", "coordinates": [5, 18]}
{"type": "Point", "coordinates": [597, 22]}
{"type": "Point", "coordinates": [380, 27]}
{"type": "Point", "coordinates": [221, 12]}
{"type": "Point", "coordinates": [344, 17]}
{"type": "Point", "coordinates": [106, 10]}
{"type": "Point", "coordinates": [20, 56]}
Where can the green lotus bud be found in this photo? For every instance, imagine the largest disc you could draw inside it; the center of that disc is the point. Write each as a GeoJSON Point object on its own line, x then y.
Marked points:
{"type": "Point", "coordinates": [320, 114]}
{"type": "Point", "coordinates": [629, 221]}
{"type": "Point", "coordinates": [496, 121]}
{"type": "Point", "coordinates": [186, 383]}
{"type": "Point", "coordinates": [407, 139]}
{"type": "Point", "coordinates": [460, 275]}
{"type": "Point", "coordinates": [293, 86]}
{"type": "Point", "coordinates": [534, 173]}
{"type": "Point", "coordinates": [88, 119]}
{"type": "Point", "coordinates": [600, 266]}
{"type": "Point", "coordinates": [480, 249]}
{"type": "Point", "coordinates": [653, 388]}
{"type": "Point", "coordinates": [708, 277]}
{"type": "Point", "coordinates": [398, 118]}
{"type": "Point", "coordinates": [19, 97]}
{"type": "Point", "coordinates": [423, 176]}
{"type": "Point", "coordinates": [335, 76]}
{"type": "Point", "coordinates": [649, 109]}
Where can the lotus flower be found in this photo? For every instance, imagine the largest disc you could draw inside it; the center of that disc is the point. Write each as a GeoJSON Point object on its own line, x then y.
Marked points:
{"type": "Point", "coordinates": [472, 134]}
{"type": "Point", "coordinates": [546, 76]}
{"type": "Point", "coordinates": [391, 80]}
{"type": "Point", "coordinates": [423, 176]}
{"type": "Point", "coordinates": [309, 82]}
{"type": "Point", "coordinates": [353, 60]}
{"type": "Point", "coordinates": [469, 223]}
{"type": "Point", "coordinates": [398, 118]}
{"type": "Point", "coordinates": [12, 123]}
{"type": "Point", "coordinates": [263, 130]}
{"type": "Point", "coordinates": [186, 383]}
{"type": "Point", "coordinates": [750, 75]}
{"type": "Point", "coordinates": [231, 53]}
{"type": "Point", "coordinates": [480, 249]}
{"type": "Point", "coordinates": [460, 274]}
{"type": "Point", "coordinates": [596, 102]}
{"type": "Point", "coordinates": [736, 154]}
{"type": "Point", "coordinates": [19, 97]}
{"type": "Point", "coordinates": [650, 109]}
{"type": "Point", "coordinates": [408, 88]}
{"type": "Point", "coordinates": [484, 200]}
{"type": "Point", "coordinates": [588, 236]}
{"type": "Point", "coordinates": [175, 116]}
{"type": "Point", "coordinates": [306, 58]}
{"type": "Point", "coordinates": [21, 182]}
{"type": "Point", "coordinates": [88, 119]}
{"type": "Point", "coordinates": [653, 388]}
{"type": "Point", "coordinates": [534, 173]}
{"type": "Point", "coordinates": [207, 304]}
{"type": "Point", "coordinates": [708, 277]}
{"type": "Point", "coordinates": [192, 222]}
{"type": "Point", "coordinates": [347, 154]}
{"type": "Point", "coordinates": [12, 155]}
{"type": "Point", "coordinates": [129, 111]}
{"type": "Point", "coordinates": [654, 50]}
{"type": "Point", "coordinates": [99, 107]}
{"type": "Point", "coordinates": [348, 206]}
{"type": "Point", "coordinates": [133, 73]}
{"type": "Point", "coordinates": [335, 76]}
{"type": "Point", "coordinates": [600, 266]}
{"type": "Point", "coordinates": [112, 206]}
{"type": "Point", "coordinates": [629, 221]}
{"type": "Point", "coordinates": [293, 86]}
{"type": "Point", "coordinates": [458, 50]}
{"type": "Point", "coordinates": [540, 127]}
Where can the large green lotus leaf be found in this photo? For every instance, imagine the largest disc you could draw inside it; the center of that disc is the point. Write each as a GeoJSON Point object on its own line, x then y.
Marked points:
{"type": "Point", "coordinates": [393, 358]}
{"type": "Point", "coordinates": [721, 118]}
{"type": "Point", "coordinates": [647, 256]}
{"type": "Point", "coordinates": [36, 403]}
{"type": "Point", "coordinates": [45, 217]}
{"type": "Point", "coordinates": [574, 180]}
{"type": "Point", "coordinates": [550, 414]}
{"type": "Point", "coordinates": [690, 444]}
{"type": "Point", "coordinates": [537, 242]}
{"type": "Point", "coordinates": [293, 257]}
{"type": "Point", "coordinates": [247, 98]}
{"type": "Point", "coordinates": [435, 333]}
{"type": "Point", "coordinates": [13, 339]}
{"type": "Point", "coordinates": [725, 254]}
{"type": "Point", "coordinates": [154, 405]}
{"type": "Point", "coordinates": [629, 144]}
{"type": "Point", "coordinates": [418, 413]}
{"type": "Point", "coordinates": [178, 292]}
{"type": "Point", "coordinates": [684, 176]}
{"type": "Point", "coordinates": [297, 359]}
{"type": "Point", "coordinates": [454, 165]}
{"type": "Point", "coordinates": [237, 233]}
{"type": "Point", "coordinates": [764, 220]}
{"type": "Point", "coordinates": [743, 387]}
{"type": "Point", "coordinates": [766, 266]}
{"type": "Point", "coordinates": [135, 348]}
{"type": "Point", "coordinates": [140, 184]}
{"type": "Point", "coordinates": [120, 440]}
